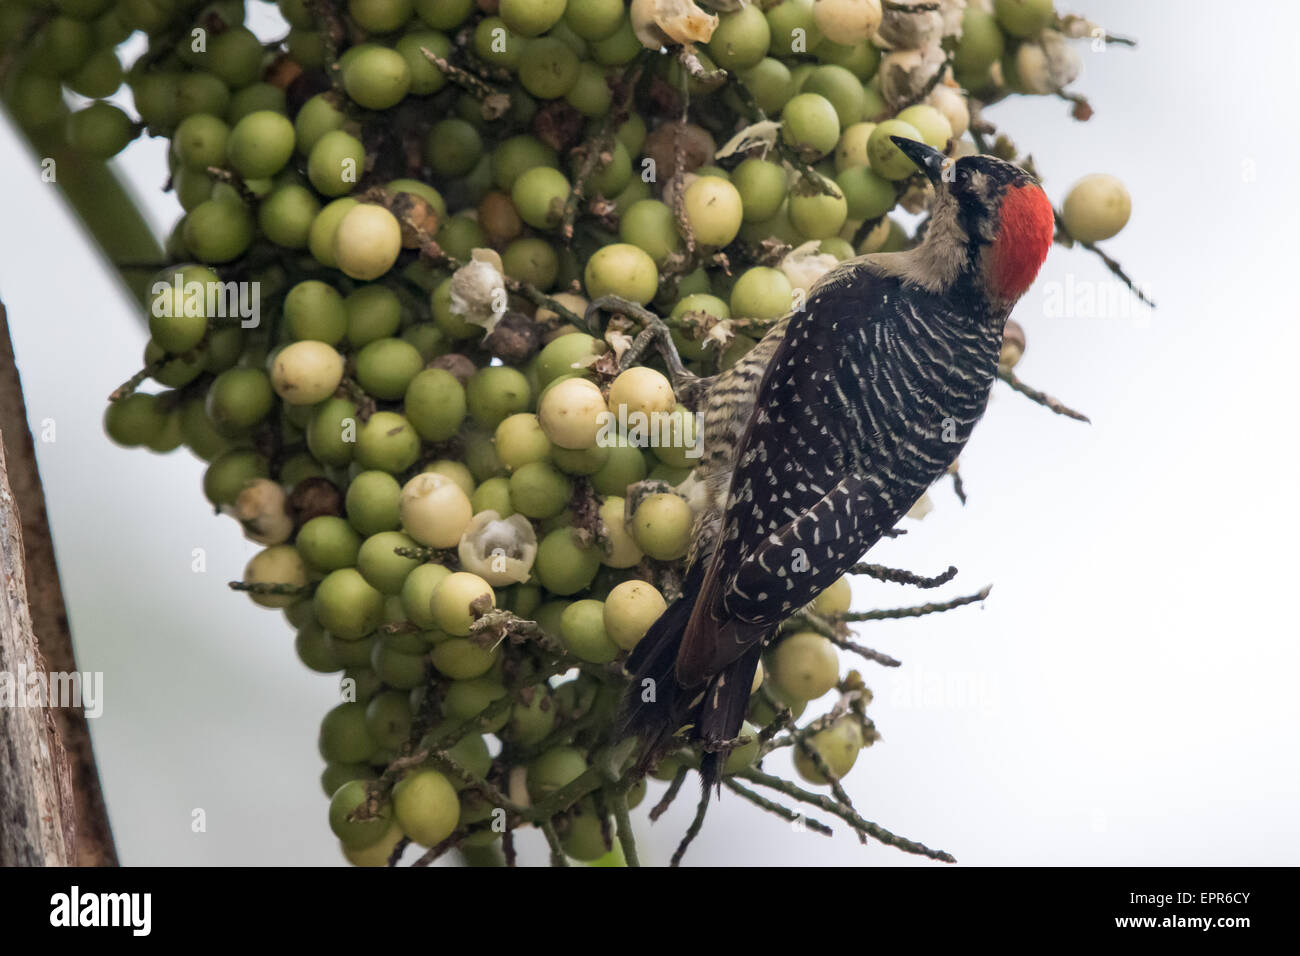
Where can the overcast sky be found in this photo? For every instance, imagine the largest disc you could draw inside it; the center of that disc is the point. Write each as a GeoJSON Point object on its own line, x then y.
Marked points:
{"type": "Point", "coordinates": [1125, 695]}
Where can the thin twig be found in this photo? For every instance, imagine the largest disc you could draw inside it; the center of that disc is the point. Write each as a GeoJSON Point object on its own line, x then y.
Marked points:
{"type": "Point", "coordinates": [899, 576]}
{"type": "Point", "coordinates": [693, 830]}
{"type": "Point", "coordinates": [1042, 398]}
{"type": "Point", "coordinates": [848, 815]}
{"type": "Point", "coordinates": [771, 806]}
{"type": "Point", "coordinates": [919, 610]}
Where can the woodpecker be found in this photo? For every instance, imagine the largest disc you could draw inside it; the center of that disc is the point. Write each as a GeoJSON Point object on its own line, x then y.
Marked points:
{"type": "Point", "coordinates": [870, 393]}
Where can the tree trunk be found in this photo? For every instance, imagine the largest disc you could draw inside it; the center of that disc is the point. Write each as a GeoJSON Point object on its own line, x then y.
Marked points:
{"type": "Point", "coordinates": [51, 805]}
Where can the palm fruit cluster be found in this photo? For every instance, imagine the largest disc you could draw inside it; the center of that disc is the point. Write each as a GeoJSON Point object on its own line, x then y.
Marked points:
{"type": "Point", "coordinates": [376, 332]}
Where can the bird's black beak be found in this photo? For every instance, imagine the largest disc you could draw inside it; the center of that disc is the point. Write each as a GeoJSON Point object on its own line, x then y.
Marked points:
{"type": "Point", "coordinates": [928, 159]}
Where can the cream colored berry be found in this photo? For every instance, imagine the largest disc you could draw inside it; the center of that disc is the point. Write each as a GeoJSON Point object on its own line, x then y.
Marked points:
{"type": "Point", "coordinates": [307, 372]}
{"type": "Point", "coordinates": [641, 390]}
{"type": "Point", "coordinates": [835, 600]}
{"type": "Point", "coordinates": [434, 510]}
{"type": "Point", "coordinates": [367, 241]}
{"type": "Point", "coordinates": [572, 412]}
{"type": "Point", "coordinates": [623, 551]}
{"type": "Point", "coordinates": [847, 21]}
{"type": "Point", "coordinates": [805, 665]}
{"type": "Point", "coordinates": [1097, 208]}
{"type": "Point", "coordinates": [456, 603]}
{"type": "Point", "coordinates": [630, 609]}
{"type": "Point", "coordinates": [280, 564]}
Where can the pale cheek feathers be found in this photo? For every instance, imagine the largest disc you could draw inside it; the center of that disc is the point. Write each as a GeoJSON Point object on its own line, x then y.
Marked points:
{"type": "Point", "coordinates": [1025, 228]}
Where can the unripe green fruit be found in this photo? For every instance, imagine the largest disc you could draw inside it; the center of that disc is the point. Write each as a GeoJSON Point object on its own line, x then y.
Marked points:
{"type": "Point", "coordinates": [629, 611]}
{"type": "Point", "coordinates": [623, 270]}
{"type": "Point", "coordinates": [662, 526]}
{"type": "Point", "coordinates": [373, 312]}
{"type": "Point", "coordinates": [810, 125]}
{"type": "Point", "coordinates": [356, 834]}
{"type": "Point", "coordinates": [1097, 207]}
{"type": "Point", "coordinates": [835, 600]}
{"type": "Point", "coordinates": [435, 404]}
{"type": "Point", "coordinates": [426, 807]}
{"type": "Point", "coordinates": [493, 495]}
{"type": "Point", "coordinates": [981, 44]}
{"type": "Point", "coordinates": [868, 195]}
{"type": "Point", "coordinates": [286, 215]}
{"type": "Point", "coordinates": [761, 293]}
{"type": "Point", "coordinates": [218, 230]}
{"type": "Point", "coordinates": [762, 186]}
{"type": "Point", "coordinates": [649, 225]}
{"type": "Point", "coordinates": [381, 16]}
{"type": "Point", "coordinates": [1023, 18]}
{"type": "Point", "coordinates": [336, 775]}
{"type": "Point", "coordinates": [395, 667]}
{"type": "Point", "coordinates": [582, 628]}
{"type": "Point", "coordinates": [371, 502]}
{"type": "Point", "coordinates": [200, 142]}
{"type": "Point", "coordinates": [239, 398]}
{"type": "Point", "coordinates": [553, 770]}
{"type": "Point", "coordinates": [793, 28]}
{"type": "Point", "coordinates": [461, 658]}
{"type": "Point", "coordinates": [745, 755]}
{"type": "Point", "coordinates": [492, 394]}
{"type": "Point", "coordinates": [567, 355]}
{"type": "Point", "coordinates": [818, 215]}
{"type": "Point", "coordinates": [314, 648]}
{"type": "Point", "coordinates": [385, 367]}
{"type": "Point", "coordinates": [377, 77]}
{"type": "Point", "coordinates": [888, 160]}
{"type": "Point", "coordinates": [467, 698]}
{"type": "Point", "coordinates": [771, 83]}
{"type": "Point", "coordinates": [331, 434]}
{"type": "Point", "coordinates": [548, 68]}
{"type": "Point", "coordinates": [227, 475]}
{"type": "Point", "coordinates": [387, 442]}
{"type": "Point", "coordinates": [379, 563]}
{"type": "Point", "coordinates": [318, 116]}
{"type": "Point", "coordinates": [539, 195]}
{"type": "Point", "coordinates": [254, 98]}
{"type": "Point", "coordinates": [347, 605]}
{"type": "Point", "coordinates": [714, 210]}
{"type": "Point", "coordinates": [564, 566]}
{"type": "Point", "coordinates": [933, 126]}
{"type": "Point", "coordinates": [260, 144]}
{"type": "Point", "coordinates": [417, 594]}
{"type": "Point", "coordinates": [328, 543]}
{"type": "Point", "coordinates": [388, 718]}
{"type": "Point", "coordinates": [335, 163]}
{"type": "Point", "coordinates": [841, 89]}
{"type": "Point", "coordinates": [805, 665]}
{"type": "Point", "coordinates": [741, 38]}
{"type": "Point", "coordinates": [305, 373]}
{"type": "Point", "coordinates": [531, 18]}
{"type": "Point", "coordinates": [279, 564]}
{"type": "Point", "coordinates": [320, 238]}
{"type": "Point", "coordinates": [343, 734]}
{"type": "Point", "coordinates": [594, 19]}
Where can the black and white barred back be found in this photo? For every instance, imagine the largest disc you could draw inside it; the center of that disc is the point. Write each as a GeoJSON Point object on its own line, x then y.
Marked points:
{"type": "Point", "coordinates": [865, 404]}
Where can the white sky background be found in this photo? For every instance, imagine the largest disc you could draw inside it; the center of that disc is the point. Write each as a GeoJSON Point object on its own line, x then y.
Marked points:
{"type": "Point", "coordinates": [1126, 695]}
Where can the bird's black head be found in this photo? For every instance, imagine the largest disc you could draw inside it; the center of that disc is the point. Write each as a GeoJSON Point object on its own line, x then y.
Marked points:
{"type": "Point", "coordinates": [991, 213]}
